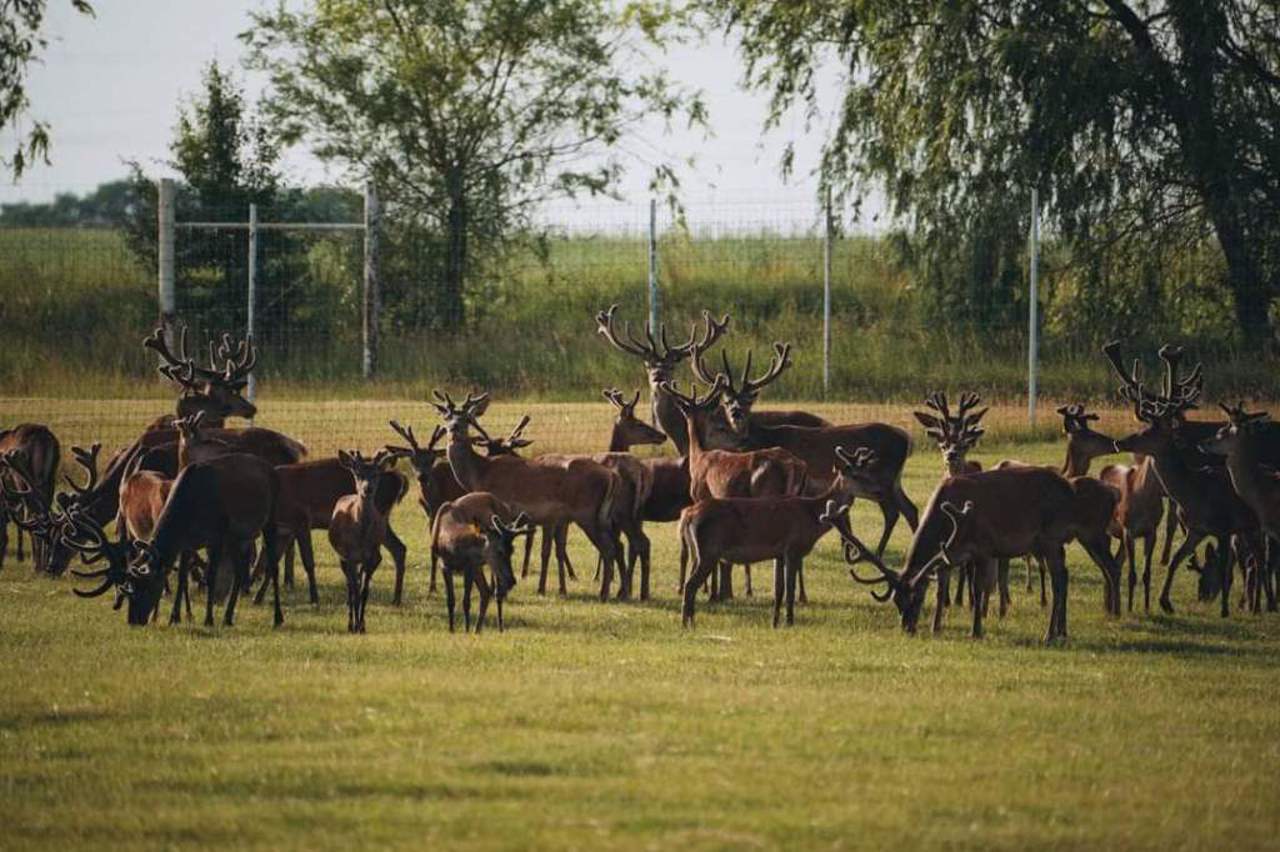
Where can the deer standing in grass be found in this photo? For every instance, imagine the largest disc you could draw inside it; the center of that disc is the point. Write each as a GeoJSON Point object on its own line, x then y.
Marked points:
{"type": "Point", "coordinates": [582, 492]}
{"type": "Point", "coordinates": [42, 452]}
{"type": "Point", "coordinates": [358, 529]}
{"type": "Point", "coordinates": [467, 534]}
{"type": "Point", "coordinates": [782, 528]}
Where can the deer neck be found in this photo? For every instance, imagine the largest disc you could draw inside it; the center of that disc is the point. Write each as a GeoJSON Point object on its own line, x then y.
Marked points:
{"type": "Point", "coordinates": [1174, 474]}
{"type": "Point", "coordinates": [618, 441]}
{"type": "Point", "coordinates": [670, 419]}
{"type": "Point", "coordinates": [469, 467]}
{"type": "Point", "coordinates": [1245, 469]}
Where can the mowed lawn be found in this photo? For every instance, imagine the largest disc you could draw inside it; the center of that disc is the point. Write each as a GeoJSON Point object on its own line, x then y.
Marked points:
{"type": "Point", "coordinates": [608, 726]}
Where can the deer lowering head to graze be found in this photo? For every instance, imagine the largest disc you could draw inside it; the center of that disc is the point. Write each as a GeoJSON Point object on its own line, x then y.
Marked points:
{"type": "Point", "coordinates": [740, 397]}
{"type": "Point", "coordinates": [358, 528]}
{"type": "Point", "coordinates": [660, 360]}
{"type": "Point", "coordinates": [782, 528]}
{"type": "Point", "coordinates": [582, 492]}
{"type": "Point", "coordinates": [215, 390]}
{"type": "Point", "coordinates": [1003, 514]}
{"type": "Point", "coordinates": [467, 534]}
{"type": "Point", "coordinates": [42, 453]}
{"type": "Point", "coordinates": [23, 502]}
{"type": "Point", "coordinates": [221, 505]}
{"type": "Point", "coordinates": [1207, 504]}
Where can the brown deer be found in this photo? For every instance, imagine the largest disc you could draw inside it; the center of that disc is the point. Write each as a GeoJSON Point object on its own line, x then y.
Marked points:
{"type": "Point", "coordinates": [739, 399]}
{"type": "Point", "coordinates": [955, 435]}
{"type": "Point", "coordinates": [214, 390]}
{"type": "Point", "coordinates": [714, 531]}
{"type": "Point", "coordinates": [582, 492]}
{"type": "Point", "coordinates": [1241, 442]}
{"type": "Point", "coordinates": [1207, 504]}
{"type": "Point", "coordinates": [358, 528]}
{"type": "Point", "coordinates": [23, 503]}
{"type": "Point", "coordinates": [223, 505]}
{"type": "Point", "coordinates": [467, 534]}
{"type": "Point", "coordinates": [40, 447]}
{"type": "Point", "coordinates": [1003, 514]}
{"type": "Point", "coordinates": [661, 359]}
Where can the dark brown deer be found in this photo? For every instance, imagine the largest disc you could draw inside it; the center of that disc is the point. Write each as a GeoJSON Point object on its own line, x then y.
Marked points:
{"type": "Point", "coordinates": [216, 390]}
{"type": "Point", "coordinates": [467, 534]}
{"type": "Point", "coordinates": [1003, 514]}
{"type": "Point", "coordinates": [582, 492]}
{"type": "Point", "coordinates": [40, 447]}
{"type": "Point", "coordinates": [660, 360]}
{"type": "Point", "coordinates": [714, 531]}
{"type": "Point", "coordinates": [358, 528]}
{"type": "Point", "coordinates": [739, 399]}
{"type": "Point", "coordinates": [1207, 504]}
{"type": "Point", "coordinates": [23, 502]}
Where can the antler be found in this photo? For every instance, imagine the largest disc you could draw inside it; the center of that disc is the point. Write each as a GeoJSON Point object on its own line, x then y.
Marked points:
{"type": "Point", "coordinates": [692, 402]}
{"type": "Point", "coordinates": [648, 349]}
{"type": "Point", "coordinates": [619, 402]}
{"type": "Point", "coordinates": [238, 365]}
{"type": "Point", "coordinates": [855, 551]}
{"type": "Point", "coordinates": [89, 461]}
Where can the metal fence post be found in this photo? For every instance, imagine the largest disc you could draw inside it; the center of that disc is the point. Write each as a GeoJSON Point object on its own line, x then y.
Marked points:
{"type": "Point", "coordinates": [164, 258]}
{"type": "Point", "coordinates": [826, 296]}
{"type": "Point", "coordinates": [653, 288]}
{"type": "Point", "coordinates": [1033, 308]}
{"type": "Point", "coordinates": [251, 329]}
{"type": "Point", "coordinates": [372, 296]}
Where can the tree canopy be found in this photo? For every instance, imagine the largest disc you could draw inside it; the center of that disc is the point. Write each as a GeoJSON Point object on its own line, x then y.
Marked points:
{"type": "Point", "coordinates": [1144, 124]}
{"type": "Point", "coordinates": [468, 113]}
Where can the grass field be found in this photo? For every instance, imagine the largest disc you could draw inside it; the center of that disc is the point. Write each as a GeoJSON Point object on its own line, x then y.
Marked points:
{"type": "Point", "coordinates": [609, 727]}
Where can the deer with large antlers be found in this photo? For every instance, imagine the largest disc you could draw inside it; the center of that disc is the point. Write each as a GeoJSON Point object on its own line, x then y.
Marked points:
{"type": "Point", "coordinates": [1207, 504]}
{"type": "Point", "coordinates": [215, 390]}
{"type": "Point", "coordinates": [1003, 514]}
{"type": "Point", "coordinates": [739, 399]}
{"type": "Point", "coordinates": [40, 447]}
{"type": "Point", "coordinates": [467, 534]}
{"type": "Point", "coordinates": [582, 492]}
{"type": "Point", "coordinates": [357, 529]}
{"type": "Point", "coordinates": [785, 529]}
{"type": "Point", "coordinates": [23, 502]}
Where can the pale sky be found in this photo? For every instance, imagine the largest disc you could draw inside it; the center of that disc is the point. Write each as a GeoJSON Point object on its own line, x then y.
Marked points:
{"type": "Point", "coordinates": [110, 87]}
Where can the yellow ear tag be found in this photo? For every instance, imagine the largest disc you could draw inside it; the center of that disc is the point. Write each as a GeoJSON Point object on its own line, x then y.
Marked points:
{"type": "Point", "coordinates": [475, 528]}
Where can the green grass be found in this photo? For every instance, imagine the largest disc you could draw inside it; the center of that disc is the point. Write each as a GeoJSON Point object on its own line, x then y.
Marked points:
{"type": "Point", "coordinates": [607, 726]}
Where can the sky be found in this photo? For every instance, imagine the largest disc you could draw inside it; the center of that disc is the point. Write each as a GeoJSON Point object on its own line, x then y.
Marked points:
{"type": "Point", "coordinates": [110, 87]}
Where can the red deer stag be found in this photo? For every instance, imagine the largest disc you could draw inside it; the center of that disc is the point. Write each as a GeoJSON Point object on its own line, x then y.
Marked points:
{"type": "Point", "coordinates": [739, 399]}
{"type": "Point", "coordinates": [582, 493]}
{"type": "Point", "coordinates": [467, 534]}
{"type": "Point", "coordinates": [214, 390]}
{"type": "Point", "coordinates": [1207, 504]}
{"type": "Point", "coordinates": [43, 453]}
{"type": "Point", "coordinates": [1003, 514]}
{"type": "Point", "coordinates": [714, 531]}
{"type": "Point", "coordinates": [357, 529]}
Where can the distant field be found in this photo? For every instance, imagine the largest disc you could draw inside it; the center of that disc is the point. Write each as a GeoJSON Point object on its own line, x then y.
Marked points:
{"type": "Point", "coordinates": [75, 304]}
{"type": "Point", "coordinates": [609, 727]}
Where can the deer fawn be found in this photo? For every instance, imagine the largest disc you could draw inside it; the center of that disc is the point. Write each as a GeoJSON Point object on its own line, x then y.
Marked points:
{"type": "Point", "coordinates": [358, 528]}
{"type": "Point", "coordinates": [467, 534]}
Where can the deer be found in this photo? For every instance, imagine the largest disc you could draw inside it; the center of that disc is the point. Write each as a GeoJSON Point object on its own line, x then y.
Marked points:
{"type": "Point", "coordinates": [783, 528]}
{"type": "Point", "coordinates": [815, 446]}
{"type": "Point", "coordinates": [222, 504]}
{"type": "Point", "coordinates": [738, 400]}
{"type": "Point", "coordinates": [1240, 442]}
{"type": "Point", "coordinates": [728, 473]}
{"type": "Point", "coordinates": [1207, 505]}
{"type": "Point", "coordinates": [40, 447]}
{"type": "Point", "coordinates": [582, 492]}
{"type": "Point", "coordinates": [215, 391]}
{"type": "Point", "coordinates": [1002, 514]}
{"type": "Point", "coordinates": [22, 501]}
{"type": "Point", "coordinates": [357, 529]}
{"type": "Point", "coordinates": [467, 534]}
{"type": "Point", "coordinates": [955, 435]}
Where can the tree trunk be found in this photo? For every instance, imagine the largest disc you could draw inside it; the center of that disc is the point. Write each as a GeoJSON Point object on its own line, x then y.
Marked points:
{"type": "Point", "coordinates": [1250, 291]}
{"type": "Point", "coordinates": [451, 307]}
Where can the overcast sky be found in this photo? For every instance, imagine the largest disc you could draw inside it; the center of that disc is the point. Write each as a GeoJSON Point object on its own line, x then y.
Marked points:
{"type": "Point", "coordinates": [110, 87]}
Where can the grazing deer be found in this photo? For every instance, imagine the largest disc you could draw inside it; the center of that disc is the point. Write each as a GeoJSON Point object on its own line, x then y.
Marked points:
{"type": "Point", "coordinates": [40, 447]}
{"type": "Point", "coordinates": [467, 534]}
{"type": "Point", "coordinates": [222, 505]}
{"type": "Point", "coordinates": [358, 528]}
{"type": "Point", "coordinates": [1207, 504]}
{"type": "Point", "coordinates": [955, 436]}
{"type": "Point", "coordinates": [23, 502]}
{"type": "Point", "coordinates": [785, 529]}
{"type": "Point", "coordinates": [582, 492]}
{"type": "Point", "coordinates": [215, 391]}
{"type": "Point", "coordinates": [661, 359]}
{"type": "Point", "coordinates": [1003, 514]}
{"type": "Point", "coordinates": [1241, 441]}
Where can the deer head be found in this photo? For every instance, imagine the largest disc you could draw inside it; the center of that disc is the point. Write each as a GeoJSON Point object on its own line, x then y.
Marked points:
{"type": "Point", "coordinates": [217, 389]}
{"type": "Point", "coordinates": [1241, 425]}
{"type": "Point", "coordinates": [422, 459]}
{"type": "Point", "coordinates": [507, 446]}
{"type": "Point", "coordinates": [500, 545]}
{"type": "Point", "coordinates": [627, 428]}
{"type": "Point", "coordinates": [366, 472]}
{"type": "Point", "coordinates": [740, 397]}
{"type": "Point", "coordinates": [1164, 413]}
{"type": "Point", "coordinates": [955, 434]}
{"type": "Point", "coordinates": [85, 536]}
{"type": "Point", "coordinates": [458, 419]}
{"type": "Point", "coordinates": [659, 356]}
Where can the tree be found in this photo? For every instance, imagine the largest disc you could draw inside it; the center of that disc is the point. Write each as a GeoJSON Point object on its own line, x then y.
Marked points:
{"type": "Point", "coordinates": [1143, 123]}
{"type": "Point", "coordinates": [21, 43]}
{"type": "Point", "coordinates": [468, 113]}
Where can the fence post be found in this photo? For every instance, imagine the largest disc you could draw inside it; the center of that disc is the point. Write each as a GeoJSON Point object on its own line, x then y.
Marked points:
{"type": "Point", "coordinates": [164, 259]}
{"type": "Point", "coordinates": [251, 330]}
{"type": "Point", "coordinates": [653, 288]}
{"type": "Point", "coordinates": [1033, 308]}
{"type": "Point", "coordinates": [826, 296]}
{"type": "Point", "coordinates": [372, 296]}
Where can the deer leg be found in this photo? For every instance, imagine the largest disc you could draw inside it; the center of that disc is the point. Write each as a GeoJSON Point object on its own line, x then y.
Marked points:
{"type": "Point", "coordinates": [1002, 578]}
{"type": "Point", "coordinates": [468, 580]}
{"type": "Point", "coordinates": [793, 565]}
{"type": "Point", "coordinates": [528, 551]}
{"type": "Point", "coordinates": [210, 583]}
{"type": "Point", "coordinates": [1170, 527]}
{"type": "Point", "coordinates": [1226, 559]}
{"type": "Point", "coordinates": [801, 596]}
{"type": "Point", "coordinates": [1099, 550]}
{"type": "Point", "coordinates": [978, 596]}
{"type": "Point", "coordinates": [1148, 548]}
{"type": "Point", "coordinates": [944, 583]}
{"type": "Point", "coordinates": [269, 540]}
{"type": "Point", "coordinates": [22, 556]}
{"type": "Point", "coordinates": [349, 577]}
{"type": "Point", "coordinates": [547, 541]}
{"type": "Point", "coordinates": [448, 593]}
{"type": "Point", "coordinates": [1058, 611]}
{"type": "Point", "coordinates": [239, 567]}
{"type": "Point", "coordinates": [779, 589]}
{"type": "Point", "coordinates": [605, 542]}
{"type": "Point", "coordinates": [4, 537]}
{"type": "Point", "coordinates": [1269, 573]}
{"type": "Point", "coordinates": [1130, 551]}
{"type": "Point", "coordinates": [684, 563]}
{"type": "Point", "coordinates": [260, 573]}
{"type": "Point", "coordinates": [746, 570]}
{"type": "Point", "coordinates": [184, 565]}
{"type": "Point", "coordinates": [890, 510]}
{"type": "Point", "coordinates": [398, 552]}
{"type": "Point", "coordinates": [908, 508]}
{"type": "Point", "coordinates": [563, 564]}
{"type": "Point", "coordinates": [702, 569]}
{"type": "Point", "coordinates": [482, 588]}
{"type": "Point", "coordinates": [961, 576]}
{"type": "Point", "coordinates": [645, 564]}
{"type": "Point", "coordinates": [1044, 601]}
{"type": "Point", "coordinates": [1187, 547]}
{"type": "Point", "coordinates": [726, 581]}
